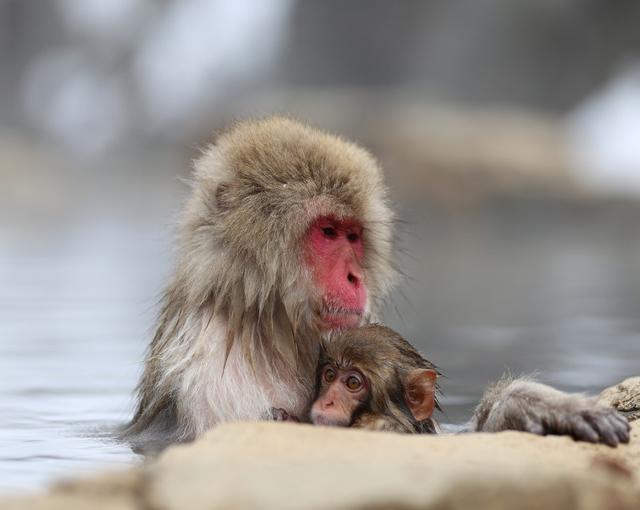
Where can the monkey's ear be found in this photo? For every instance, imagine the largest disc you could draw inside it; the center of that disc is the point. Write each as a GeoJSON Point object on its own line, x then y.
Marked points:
{"type": "Point", "coordinates": [420, 392]}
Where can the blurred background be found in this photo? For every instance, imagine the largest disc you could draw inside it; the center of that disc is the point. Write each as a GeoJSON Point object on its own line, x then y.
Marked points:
{"type": "Point", "coordinates": [510, 135]}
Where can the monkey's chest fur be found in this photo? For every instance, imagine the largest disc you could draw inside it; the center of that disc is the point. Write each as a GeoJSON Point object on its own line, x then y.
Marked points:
{"type": "Point", "coordinates": [213, 388]}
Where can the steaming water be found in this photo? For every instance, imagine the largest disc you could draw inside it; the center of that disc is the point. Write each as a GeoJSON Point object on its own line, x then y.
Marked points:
{"type": "Point", "coordinates": [527, 288]}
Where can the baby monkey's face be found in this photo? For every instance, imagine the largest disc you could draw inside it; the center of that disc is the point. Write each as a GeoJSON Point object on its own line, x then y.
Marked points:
{"type": "Point", "coordinates": [341, 392]}
{"type": "Point", "coordinates": [370, 377]}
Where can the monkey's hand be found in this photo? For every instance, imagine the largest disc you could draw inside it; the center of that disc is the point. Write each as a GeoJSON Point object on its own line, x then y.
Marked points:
{"type": "Point", "coordinates": [278, 414]}
{"type": "Point", "coordinates": [533, 407]}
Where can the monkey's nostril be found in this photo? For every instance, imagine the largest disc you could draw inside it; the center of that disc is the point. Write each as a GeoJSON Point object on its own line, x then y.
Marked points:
{"type": "Point", "coordinates": [352, 278]}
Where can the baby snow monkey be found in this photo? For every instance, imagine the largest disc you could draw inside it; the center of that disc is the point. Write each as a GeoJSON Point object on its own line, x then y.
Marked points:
{"type": "Point", "coordinates": [373, 378]}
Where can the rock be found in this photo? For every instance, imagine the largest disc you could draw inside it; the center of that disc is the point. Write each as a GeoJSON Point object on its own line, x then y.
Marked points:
{"type": "Point", "coordinates": [286, 465]}
{"type": "Point", "coordinates": [625, 397]}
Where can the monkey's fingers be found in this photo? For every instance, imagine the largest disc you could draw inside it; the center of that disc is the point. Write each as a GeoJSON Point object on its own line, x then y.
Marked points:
{"type": "Point", "coordinates": [620, 425]}
{"type": "Point", "coordinates": [610, 429]}
{"type": "Point", "coordinates": [278, 414]}
{"type": "Point", "coordinates": [580, 429]}
{"type": "Point", "coordinates": [533, 426]}
{"type": "Point", "coordinates": [602, 427]}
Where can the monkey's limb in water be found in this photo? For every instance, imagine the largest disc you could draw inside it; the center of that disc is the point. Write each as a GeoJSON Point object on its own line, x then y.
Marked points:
{"type": "Point", "coordinates": [529, 406]}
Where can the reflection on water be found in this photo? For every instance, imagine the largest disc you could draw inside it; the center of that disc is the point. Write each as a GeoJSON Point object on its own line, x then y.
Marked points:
{"type": "Point", "coordinates": [557, 292]}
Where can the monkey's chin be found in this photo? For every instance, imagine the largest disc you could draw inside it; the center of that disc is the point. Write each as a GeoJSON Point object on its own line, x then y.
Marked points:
{"type": "Point", "coordinates": [342, 319]}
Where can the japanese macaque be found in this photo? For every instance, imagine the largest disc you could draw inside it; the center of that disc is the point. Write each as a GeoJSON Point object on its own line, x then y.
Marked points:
{"type": "Point", "coordinates": [286, 237]}
{"type": "Point", "coordinates": [372, 378]}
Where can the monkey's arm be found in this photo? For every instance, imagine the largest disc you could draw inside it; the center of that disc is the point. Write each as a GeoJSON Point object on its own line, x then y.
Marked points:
{"type": "Point", "coordinates": [525, 405]}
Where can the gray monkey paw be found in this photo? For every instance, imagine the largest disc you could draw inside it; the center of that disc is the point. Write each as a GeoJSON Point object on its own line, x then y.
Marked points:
{"type": "Point", "coordinates": [592, 423]}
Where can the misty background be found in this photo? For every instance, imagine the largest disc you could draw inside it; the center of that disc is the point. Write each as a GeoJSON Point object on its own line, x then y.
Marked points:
{"type": "Point", "coordinates": [510, 137]}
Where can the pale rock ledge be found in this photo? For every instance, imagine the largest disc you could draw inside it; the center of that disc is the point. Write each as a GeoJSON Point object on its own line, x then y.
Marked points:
{"type": "Point", "coordinates": [280, 466]}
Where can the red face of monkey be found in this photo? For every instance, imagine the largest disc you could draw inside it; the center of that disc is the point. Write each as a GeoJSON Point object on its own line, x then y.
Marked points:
{"type": "Point", "coordinates": [334, 252]}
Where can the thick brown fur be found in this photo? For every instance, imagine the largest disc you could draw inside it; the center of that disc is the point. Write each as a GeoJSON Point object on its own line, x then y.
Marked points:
{"type": "Point", "coordinates": [384, 358]}
{"type": "Point", "coordinates": [255, 192]}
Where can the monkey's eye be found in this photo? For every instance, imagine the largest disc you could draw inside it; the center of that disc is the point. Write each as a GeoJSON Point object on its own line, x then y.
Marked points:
{"type": "Point", "coordinates": [354, 383]}
{"type": "Point", "coordinates": [329, 375]}
{"type": "Point", "coordinates": [353, 237]}
{"type": "Point", "coordinates": [330, 232]}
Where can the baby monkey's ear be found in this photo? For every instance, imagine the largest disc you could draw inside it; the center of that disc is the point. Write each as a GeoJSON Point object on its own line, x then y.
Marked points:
{"type": "Point", "coordinates": [420, 392]}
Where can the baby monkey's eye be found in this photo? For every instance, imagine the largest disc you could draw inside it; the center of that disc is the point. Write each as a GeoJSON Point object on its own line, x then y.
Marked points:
{"type": "Point", "coordinates": [329, 375]}
{"type": "Point", "coordinates": [354, 383]}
